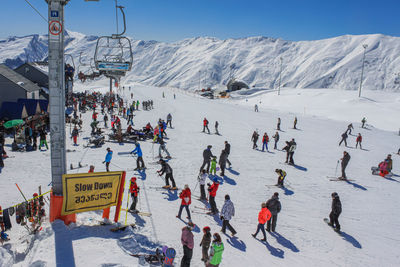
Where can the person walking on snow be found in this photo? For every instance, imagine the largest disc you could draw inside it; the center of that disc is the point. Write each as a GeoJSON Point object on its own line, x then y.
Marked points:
{"type": "Point", "coordinates": [292, 148]}
{"type": "Point", "coordinates": [281, 177]}
{"type": "Point", "coordinates": [274, 206]}
{"type": "Point", "coordinates": [216, 127]}
{"type": "Point", "coordinates": [254, 138]}
{"type": "Point", "coordinates": [344, 139]}
{"type": "Point", "coordinates": [363, 121]}
{"type": "Point", "coordinates": [139, 161]}
{"type": "Point", "coordinates": [349, 127]}
{"type": "Point", "coordinates": [162, 147]}
{"type": "Point", "coordinates": [205, 243]}
{"type": "Point", "coordinates": [169, 120]}
{"type": "Point", "coordinates": [186, 197]}
{"type": "Point", "coordinates": [165, 168]}
{"type": "Point", "coordinates": [345, 160]}
{"type": "Point", "coordinates": [335, 212]}
{"type": "Point", "coordinates": [188, 244]}
{"type": "Point", "coordinates": [263, 216]}
{"type": "Point", "coordinates": [108, 158]}
{"type": "Point", "coordinates": [276, 139]}
{"type": "Point", "coordinates": [359, 140]}
{"type": "Point", "coordinates": [213, 168]}
{"type": "Point", "coordinates": [212, 189]}
{"type": "Point", "coordinates": [222, 162]}
{"type": "Point", "coordinates": [43, 141]}
{"type": "Point", "coordinates": [295, 123]}
{"type": "Point", "coordinates": [202, 181]}
{"type": "Point", "coordinates": [227, 212]}
{"type": "Point", "coordinates": [134, 190]}
{"type": "Point", "coordinates": [265, 141]}
{"type": "Point", "coordinates": [278, 125]}
{"type": "Point", "coordinates": [105, 119]}
{"type": "Point", "coordinates": [228, 151]}
{"type": "Point", "coordinates": [74, 135]}
{"type": "Point", "coordinates": [205, 125]}
{"type": "Point", "coordinates": [216, 251]}
{"type": "Point", "coordinates": [207, 154]}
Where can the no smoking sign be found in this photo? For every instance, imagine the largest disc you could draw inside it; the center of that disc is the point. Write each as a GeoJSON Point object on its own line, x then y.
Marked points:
{"type": "Point", "coordinates": [55, 27]}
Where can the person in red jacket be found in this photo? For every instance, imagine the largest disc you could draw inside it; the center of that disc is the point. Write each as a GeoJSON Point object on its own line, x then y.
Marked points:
{"type": "Point", "coordinates": [186, 197]}
{"type": "Point", "coordinates": [265, 141]}
{"type": "Point", "coordinates": [359, 140]}
{"type": "Point", "coordinates": [91, 169]}
{"type": "Point", "coordinates": [94, 115]}
{"type": "Point", "coordinates": [263, 216]}
{"type": "Point", "coordinates": [212, 189]}
{"type": "Point", "coordinates": [134, 190]}
{"type": "Point", "coordinates": [205, 125]}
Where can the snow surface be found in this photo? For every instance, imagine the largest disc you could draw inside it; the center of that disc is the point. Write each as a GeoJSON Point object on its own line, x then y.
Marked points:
{"type": "Point", "coordinates": [370, 218]}
{"type": "Point", "coordinates": [209, 62]}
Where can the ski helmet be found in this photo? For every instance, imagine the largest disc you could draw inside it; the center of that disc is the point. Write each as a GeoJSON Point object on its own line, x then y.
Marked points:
{"type": "Point", "coordinates": [35, 194]}
{"type": "Point", "coordinates": [334, 194]}
{"type": "Point", "coordinates": [215, 180]}
{"type": "Point", "coordinates": [206, 229]}
{"type": "Point", "coordinates": [133, 179]}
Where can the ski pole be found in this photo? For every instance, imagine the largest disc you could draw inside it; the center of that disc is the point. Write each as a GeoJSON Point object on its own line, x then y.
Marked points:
{"type": "Point", "coordinates": [20, 191]}
{"type": "Point", "coordinates": [194, 190]}
{"type": "Point", "coordinates": [127, 203]}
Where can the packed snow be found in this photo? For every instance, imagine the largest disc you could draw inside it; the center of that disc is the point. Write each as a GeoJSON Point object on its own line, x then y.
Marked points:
{"type": "Point", "coordinates": [370, 219]}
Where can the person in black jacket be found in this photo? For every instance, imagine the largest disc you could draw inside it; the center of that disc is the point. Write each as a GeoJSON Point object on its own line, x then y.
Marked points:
{"type": "Point", "coordinates": [2, 152]}
{"type": "Point", "coordinates": [336, 210]}
{"type": "Point", "coordinates": [228, 151]}
{"type": "Point", "coordinates": [165, 168]}
{"type": "Point", "coordinates": [345, 161]}
{"type": "Point", "coordinates": [222, 162]}
{"type": "Point", "coordinates": [274, 206]}
{"type": "Point", "coordinates": [207, 154]}
{"type": "Point", "coordinates": [254, 138]}
{"type": "Point", "coordinates": [344, 139]}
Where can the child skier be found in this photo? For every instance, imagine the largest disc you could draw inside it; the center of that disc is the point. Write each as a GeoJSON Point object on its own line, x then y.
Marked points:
{"type": "Point", "coordinates": [205, 243]}
{"type": "Point", "coordinates": [134, 190]}
{"type": "Point", "coordinates": [263, 216]}
{"type": "Point", "coordinates": [281, 177]}
{"type": "Point", "coordinates": [213, 169]}
{"type": "Point", "coordinates": [202, 181]}
{"type": "Point", "coordinates": [265, 141]}
{"type": "Point", "coordinates": [359, 140]}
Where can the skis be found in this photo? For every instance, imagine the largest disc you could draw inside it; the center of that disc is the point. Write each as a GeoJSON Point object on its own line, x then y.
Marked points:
{"type": "Point", "coordinates": [122, 228]}
{"type": "Point", "coordinates": [338, 179]}
{"type": "Point", "coordinates": [326, 220]}
{"type": "Point", "coordinates": [162, 188]}
{"type": "Point", "coordinates": [124, 153]}
{"type": "Point", "coordinates": [148, 214]}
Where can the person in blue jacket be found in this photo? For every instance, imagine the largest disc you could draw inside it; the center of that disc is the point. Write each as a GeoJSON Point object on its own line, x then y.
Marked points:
{"type": "Point", "coordinates": [138, 151]}
{"type": "Point", "coordinates": [108, 158]}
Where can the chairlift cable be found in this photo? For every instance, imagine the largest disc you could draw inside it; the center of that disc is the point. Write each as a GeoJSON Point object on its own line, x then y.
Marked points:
{"type": "Point", "coordinates": [37, 11]}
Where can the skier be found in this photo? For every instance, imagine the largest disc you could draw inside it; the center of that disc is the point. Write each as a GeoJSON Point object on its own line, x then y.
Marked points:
{"type": "Point", "coordinates": [134, 190]}
{"type": "Point", "coordinates": [138, 151]}
{"type": "Point", "coordinates": [274, 206]}
{"type": "Point", "coordinates": [363, 121]}
{"type": "Point", "coordinates": [213, 168]}
{"type": "Point", "coordinates": [345, 160]}
{"type": "Point", "coordinates": [186, 197]}
{"type": "Point", "coordinates": [212, 189]}
{"type": "Point", "coordinates": [207, 154]}
{"type": "Point", "coordinates": [169, 120]}
{"type": "Point", "coordinates": [216, 127]}
{"type": "Point", "coordinates": [162, 147]}
{"type": "Point", "coordinates": [188, 244]}
{"type": "Point", "coordinates": [359, 140]}
{"type": "Point", "coordinates": [276, 139]}
{"type": "Point", "coordinates": [205, 243]}
{"type": "Point", "coordinates": [43, 141]}
{"type": "Point", "coordinates": [228, 151]}
{"type": "Point", "coordinates": [254, 138]}
{"type": "Point", "coordinates": [108, 158]}
{"type": "Point", "coordinates": [205, 125]}
{"type": "Point", "coordinates": [278, 125]}
{"type": "Point", "coordinates": [74, 135]}
{"type": "Point", "coordinates": [295, 123]}
{"type": "Point", "coordinates": [227, 212]}
{"type": "Point", "coordinates": [281, 177]}
{"type": "Point", "coordinates": [292, 148]}
{"type": "Point", "coordinates": [335, 212]}
{"type": "Point", "coordinates": [344, 139]}
{"type": "Point", "coordinates": [265, 141]}
{"type": "Point", "coordinates": [255, 108]}
{"type": "Point", "coordinates": [216, 251]}
{"type": "Point", "coordinates": [202, 181]}
{"type": "Point", "coordinates": [263, 216]}
{"type": "Point", "coordinates": [349, 127]}
{"type": "Point", "coordinates": [222, 162]}
{"type": "Point", "coordinates": [165, 168]}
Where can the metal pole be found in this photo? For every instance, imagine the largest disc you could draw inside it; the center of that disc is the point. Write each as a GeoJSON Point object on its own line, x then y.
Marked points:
{"type": "Point", "coordinates": [280, 77]}
{"type": "Point", "coordinates": [362, 70]}
{"type": "Point", "coordinates": [199, 80]}
{"type": "Point", "coordinates": [110, 86]}
{"type": "Point", "coordinates": [116, 13]}
{"type": "Point", "coordinates": [57, 92]}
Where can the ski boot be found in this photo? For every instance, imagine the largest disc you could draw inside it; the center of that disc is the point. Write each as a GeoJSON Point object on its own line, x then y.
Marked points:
{"type": "Point", "coordinates": [166, 186]}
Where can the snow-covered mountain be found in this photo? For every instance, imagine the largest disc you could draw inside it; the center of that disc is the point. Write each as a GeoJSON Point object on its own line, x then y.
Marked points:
{"type": "Point", "coordinates": [204, 61]}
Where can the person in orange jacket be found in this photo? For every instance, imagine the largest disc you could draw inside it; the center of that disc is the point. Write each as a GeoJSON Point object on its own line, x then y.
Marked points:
{"type": "Point", "coordinates": [359, 140]}
{"type": "Point", "coordinates": [134, 190]}
{"type": "Point", "coordinates": [185, 195]}
{"type": "Point", "coordinates": [205, 125]}
{"type": "Point", "coordinates": [263, 216]}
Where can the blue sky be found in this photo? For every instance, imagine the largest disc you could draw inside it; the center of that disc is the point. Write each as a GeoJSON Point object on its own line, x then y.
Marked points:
{"type": "Point", "coordinates": [172, 20]}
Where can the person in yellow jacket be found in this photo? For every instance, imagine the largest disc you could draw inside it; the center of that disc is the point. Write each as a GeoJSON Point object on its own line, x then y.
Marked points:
{"type": "Point", "coordinates": [263, 216]}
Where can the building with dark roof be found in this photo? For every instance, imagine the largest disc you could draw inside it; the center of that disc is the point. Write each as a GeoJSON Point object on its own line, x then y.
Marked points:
{"type": "Point", "coordinates": [34, 73]}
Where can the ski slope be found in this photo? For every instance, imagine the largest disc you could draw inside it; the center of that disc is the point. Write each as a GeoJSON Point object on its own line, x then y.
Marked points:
{"type": "Point", "coordinates": [370, 219]}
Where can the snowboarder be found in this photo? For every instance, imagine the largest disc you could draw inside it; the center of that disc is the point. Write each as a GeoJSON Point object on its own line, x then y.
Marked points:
{"type": "Point", "coordinates": [227, 212]}
{"type": "Point", "coordinates": [292, 148]}
{"type": "Point", "coordinates": [228, 151]}
{"type": "Point", "coordinates": [162, 147]}
{"type": "Point", "coordinates": [186, 197]}
{"type": "Point", "coordinates": [134, 190]}
{"type": "Point", "coordinates": [276, 139]}
{"type": "Point", "coordinates": [165, 168]}
{"type": "Point", "coordinates": [43, 141]}
{"type": "Point", "coordinates": [295, 123]}
{"type": "Point", "coordinates": [383, 168]}
{"type": "Point", "coordinates": [205, 125]}
{"type": "Point", "coordinates": [202, 181]}
{"type": "Point", "coordinates": [265, 141]}
{"type": "Point", "coordinates": [216, 127]}
{"type": "Point", "coordinates": [222, 162]}
{"type": "Point", "coordinates": [213, 168]}
{"type": "Point", "coordinates": [278, 125]}
{"type": "Point", "coordinates": [281, 177]}
{"type": "Point", "coordinates": [205, 243]}
{"type": "Point", "coordinates": [255, 108]}
{"type": "Point", "coordinates": [359, 140]}
{"type": "Point", "coordinates": [212, 189]}
{"type": "Point", "coordinates": [335, 212]}
{"type": "Point", "coordinates": [344, 139]}
{"type": "Point", "coordinates": [74, 135]}
{"type": "Point", "coordinates": [263, 216]}
{"type": "Point", "coordinates": [349, 128]}
{"type": "Point", "coordinates": [139, 161]}
{"type": "Point", "coordinates": [188, 244]}
{"type": "Point", "coordinates": [216, 251]}
{"type": "Point", "coordinates": [254, 138]}
{"type": "Point", "coordinates": [345, 160]}
{"type": "Point", "coordinates": [207, 154]}
{"type": "Point", "coordinates": [169, 120]}
{"type": "Point", "coordinates": [108, 158]}
{"type": "Point", "coordinates": [274, 206]}
{"type": "Point", "coordinates": [363, 121]}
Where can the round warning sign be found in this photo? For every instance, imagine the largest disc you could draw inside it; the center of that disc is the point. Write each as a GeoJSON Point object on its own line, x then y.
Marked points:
{"type": "Point", "coordinates": [55, 27]}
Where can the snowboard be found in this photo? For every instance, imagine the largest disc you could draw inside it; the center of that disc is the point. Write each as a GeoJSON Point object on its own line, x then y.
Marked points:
{"type": "Point", "coordinates": [122, 228]}
{"type": "Point", "coordinates": [326, 220]}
